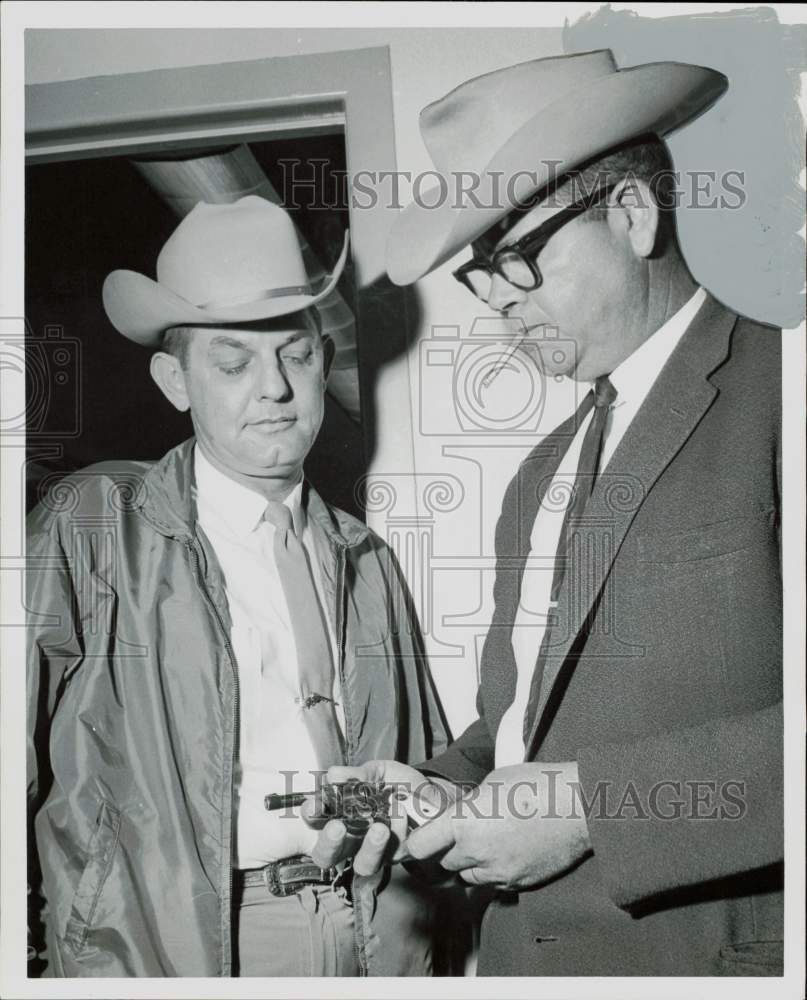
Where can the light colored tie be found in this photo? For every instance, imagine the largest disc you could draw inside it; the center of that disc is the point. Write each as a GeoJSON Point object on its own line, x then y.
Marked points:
{"type": "Point", "coordinates": [315, 664]}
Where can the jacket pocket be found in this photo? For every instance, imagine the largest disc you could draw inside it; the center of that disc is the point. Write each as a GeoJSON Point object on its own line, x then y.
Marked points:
{"type": "Point", "coordinates": [100, 853]}
{"type": "Point", "coordinates": [705, 542]}
{"type": "Point", "coordinates": [752, 958]}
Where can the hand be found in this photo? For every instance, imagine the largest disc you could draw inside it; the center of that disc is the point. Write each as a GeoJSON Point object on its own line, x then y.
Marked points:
{"type": "Point", "coordinates": [381, 844]}
{"type": "Point", "coordinates": [522, 826]}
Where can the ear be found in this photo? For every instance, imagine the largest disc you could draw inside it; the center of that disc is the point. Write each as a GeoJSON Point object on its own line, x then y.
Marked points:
{"type": "Point", "coordinates": [639, 215]}
{"type": "Point", "coordinates": [329, 352]}
{"type": "Point", "coordinates": [168, 374]}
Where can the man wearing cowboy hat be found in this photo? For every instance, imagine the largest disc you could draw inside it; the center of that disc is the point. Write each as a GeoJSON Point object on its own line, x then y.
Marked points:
{"type": "Point", "coordinates": [206, 631]}
{"type": "Point", "coordinates": [626, 766]}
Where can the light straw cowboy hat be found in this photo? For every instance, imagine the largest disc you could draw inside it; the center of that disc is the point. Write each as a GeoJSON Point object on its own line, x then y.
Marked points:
{"type": "Point", "coordinates": [223, 264]}
{"type": "Point", "coordinates": [512, 131]}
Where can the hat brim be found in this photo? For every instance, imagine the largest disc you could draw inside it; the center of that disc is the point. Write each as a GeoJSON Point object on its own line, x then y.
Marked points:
{"type": "Point", "coordinates": [142, 309]}
{"type": "Point", "coordinates": [653, 98]}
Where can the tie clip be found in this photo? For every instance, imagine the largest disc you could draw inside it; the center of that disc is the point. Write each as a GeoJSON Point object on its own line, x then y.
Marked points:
{"type": "Point", "coordinates": [315, 699]}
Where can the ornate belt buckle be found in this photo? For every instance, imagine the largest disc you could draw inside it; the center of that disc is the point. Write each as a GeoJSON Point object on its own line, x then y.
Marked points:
{"type": "Point", "coordinates": [274, 883]}
{"type": "Point", "coordinates": [299, 870]}
{"type": "Point", "coordinates": [270, 879]}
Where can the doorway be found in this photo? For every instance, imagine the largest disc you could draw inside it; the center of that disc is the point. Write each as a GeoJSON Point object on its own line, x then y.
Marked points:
{"type": "Point", "coordinates": [114, 162]}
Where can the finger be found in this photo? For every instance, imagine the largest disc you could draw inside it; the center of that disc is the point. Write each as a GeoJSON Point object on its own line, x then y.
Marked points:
{"type": "Point", "coordinates": [332, 845]}
{"type": "Point", "coordinates": [475, 876]}
{"type": "Point", "coordinates": [399, 827]}
{"type": "Point", "coordinates": [431, 838]}
{"type": "Point", "coordinates": [370, 856]}
{"type": "Point", "coordinates": [456, 860]}
{"type": "Point", "coordinates": [387, 771]}
{"type": "Point", "coordinates": [338, 774]}
{"type": "Point", "coordinates": [308, 841]}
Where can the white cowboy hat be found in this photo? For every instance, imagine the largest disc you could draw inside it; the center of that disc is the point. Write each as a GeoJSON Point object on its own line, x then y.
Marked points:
{"type": "Point", "coordinates": [514, 130]}
{"type": "Point", "coordinates": [228, 263]}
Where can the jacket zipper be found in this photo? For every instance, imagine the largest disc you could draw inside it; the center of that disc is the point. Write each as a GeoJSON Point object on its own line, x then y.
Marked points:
{"type": "Point", "coordinates": [226, 902]}
{"type": "Point", "coordinates": [340, 627]}
{"type": "Point", "coordinates": [339, 619]}
{"type": "Point", "coordinates": [340, 642]}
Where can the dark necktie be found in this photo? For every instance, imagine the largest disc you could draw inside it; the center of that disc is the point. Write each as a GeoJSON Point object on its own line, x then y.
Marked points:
{"type": "Point", "coordinates": [314, 658]}
{"type": "Point", "coordinates": [601, 397]}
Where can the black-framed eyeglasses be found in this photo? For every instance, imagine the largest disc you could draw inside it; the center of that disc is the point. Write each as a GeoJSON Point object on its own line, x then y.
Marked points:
{"type": "Point", "coordinates": [517, 263]}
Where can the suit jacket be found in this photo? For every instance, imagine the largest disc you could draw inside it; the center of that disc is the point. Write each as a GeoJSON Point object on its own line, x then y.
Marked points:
{"type": "Point", "coordinates": [663, 680]}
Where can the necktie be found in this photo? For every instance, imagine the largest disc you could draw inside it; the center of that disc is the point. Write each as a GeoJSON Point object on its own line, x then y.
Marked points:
{"type": "Point", "coordinates": [602, 396]}
{"type": "Point", "coordinates": [315, 664]}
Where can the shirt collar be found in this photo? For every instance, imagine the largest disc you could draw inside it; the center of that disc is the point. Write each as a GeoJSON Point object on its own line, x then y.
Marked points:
{"type": "Point", "coordinates": [634, 376]}
{"type": "Point", "coordinates": [236, 506]}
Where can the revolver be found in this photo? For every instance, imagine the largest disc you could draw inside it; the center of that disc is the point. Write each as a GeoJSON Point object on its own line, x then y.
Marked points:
{"type": "Point", "coordinates": [358, 804]}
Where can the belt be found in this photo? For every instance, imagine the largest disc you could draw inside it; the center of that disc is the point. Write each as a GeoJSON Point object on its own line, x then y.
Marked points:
{"type": "Point", "coordinates": [287, 876]}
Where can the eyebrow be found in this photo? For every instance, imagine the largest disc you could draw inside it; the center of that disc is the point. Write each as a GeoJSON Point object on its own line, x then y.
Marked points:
{"type": "Point", "coordinates": [506, 240]}
{"type": "Point", "coordinates": [228, 342]}
{"type": "Point", "coordinates": [297, 335]}
{"type": "Point", "coordinates": [223, 341]}
{"type": "Point", "coordinates": [491, 240]}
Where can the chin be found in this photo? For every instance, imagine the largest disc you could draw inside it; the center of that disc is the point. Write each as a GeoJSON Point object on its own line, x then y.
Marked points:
{"type": "Point", "coordinates": [274, 459]}
{"type": "Point", "coordinates": [273, 465]}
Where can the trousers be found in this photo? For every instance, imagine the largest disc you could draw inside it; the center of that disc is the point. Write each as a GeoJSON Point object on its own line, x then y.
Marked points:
{"type": "Point", "coordinates": [307, 934]}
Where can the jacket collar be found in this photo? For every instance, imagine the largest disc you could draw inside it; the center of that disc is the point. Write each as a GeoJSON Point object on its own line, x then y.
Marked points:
{"type": "Point", "coordinates": [634, 377]}
{"type": "Point", "coordinates": [167, 502]}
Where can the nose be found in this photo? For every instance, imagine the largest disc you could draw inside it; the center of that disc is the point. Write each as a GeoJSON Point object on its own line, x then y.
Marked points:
{"type": "Point", "coordinates": [272, 383]}
{"type": "Point", "coordinates": [503, 295]}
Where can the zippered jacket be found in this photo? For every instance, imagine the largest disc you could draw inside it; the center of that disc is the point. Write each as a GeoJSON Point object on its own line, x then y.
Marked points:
{"type": "Point", "coordinates": [133, 708]}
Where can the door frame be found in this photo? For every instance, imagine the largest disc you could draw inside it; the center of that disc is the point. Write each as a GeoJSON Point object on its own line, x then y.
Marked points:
{"type": "Point", "coordinates": [282, 96]}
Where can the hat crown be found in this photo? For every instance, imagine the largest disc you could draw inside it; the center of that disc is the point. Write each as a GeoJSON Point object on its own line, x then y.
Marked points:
{"type": "Point", "coordinates": [498, 139]}
{"type": "Point", "coordinates": [232, 252]}
{"type": "Point", "coordinates": [462, 128]}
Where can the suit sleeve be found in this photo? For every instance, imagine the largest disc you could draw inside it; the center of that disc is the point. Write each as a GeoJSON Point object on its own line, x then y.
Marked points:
{"type": "Point", "coordinates": [53, 651]}
{"type": "Point", "coordinates": [469, 759]}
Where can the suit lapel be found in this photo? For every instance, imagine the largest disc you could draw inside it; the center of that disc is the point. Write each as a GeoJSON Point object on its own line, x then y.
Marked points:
{"type": "Point", "coordinates": [674, 407]}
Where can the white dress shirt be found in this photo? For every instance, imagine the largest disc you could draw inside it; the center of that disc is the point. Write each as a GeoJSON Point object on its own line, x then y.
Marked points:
{"type": "Point", "coordinates": [272, 735]}
{"type": "Point", "coordinates": [632, 379]}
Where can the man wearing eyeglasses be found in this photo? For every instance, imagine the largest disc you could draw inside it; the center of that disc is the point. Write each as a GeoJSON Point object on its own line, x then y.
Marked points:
{"type": "Point", "coordinates": [622, 786]}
